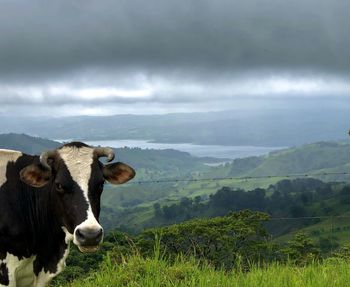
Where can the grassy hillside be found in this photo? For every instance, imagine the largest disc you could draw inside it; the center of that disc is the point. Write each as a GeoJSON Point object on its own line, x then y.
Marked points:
{"type": "Point", "coordinates": [313, 158]}
{"type": "Point", "coordinates": [165, 164]}
{"type": "Point", "coordinates": [334, 230]}
{"type": "Point", "coordinates": [26, 144]}
{"type": "Point", "coordinates": [308, 159]}
{"type": "Point", "coordinates": [317, 157]}
{"type": "Point", "coordinates": [156, 272]}
{"type": "Point", "coordinates": [132, 204]}
{"type": "Point", "coordinates": [234, 250]}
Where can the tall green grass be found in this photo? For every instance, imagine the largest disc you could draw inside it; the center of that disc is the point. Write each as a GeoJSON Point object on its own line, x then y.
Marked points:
{"type": "Point", "coordinates": [157, 271]}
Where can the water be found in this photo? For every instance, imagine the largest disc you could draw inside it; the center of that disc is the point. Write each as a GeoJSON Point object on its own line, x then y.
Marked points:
{"type": "Point", "coordinates": [217, 151]}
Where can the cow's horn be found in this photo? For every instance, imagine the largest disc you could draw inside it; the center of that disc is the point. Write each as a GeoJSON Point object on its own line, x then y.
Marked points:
{"type": "Point", "coordinates": [105, 152]}
{"type": "Point", "coordinates": [45, 156]}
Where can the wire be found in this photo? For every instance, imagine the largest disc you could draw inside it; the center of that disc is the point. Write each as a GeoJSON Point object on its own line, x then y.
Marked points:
{"type": "Point", "coordinates": [308, 217]}
{"type": "Point", "coordinates": [169, 180]}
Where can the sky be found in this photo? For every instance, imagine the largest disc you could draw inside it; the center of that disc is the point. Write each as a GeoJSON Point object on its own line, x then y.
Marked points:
{"type": "Point", "coordinates": [103, 57]}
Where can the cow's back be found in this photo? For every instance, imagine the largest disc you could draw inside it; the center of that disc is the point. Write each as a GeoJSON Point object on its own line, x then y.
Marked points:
{"type": "Point", "coordinates": [9, 181]}
{"type": "Point", "coordinates": [13, 216]}
{"type": "Point", "coordinates": [6, 157]}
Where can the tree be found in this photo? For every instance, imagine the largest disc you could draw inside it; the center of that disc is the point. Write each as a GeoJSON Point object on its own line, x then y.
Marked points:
{"type": "Point", "coordinates": [222, 241]}
{"type": "Point", "coordinates": [301, 249]}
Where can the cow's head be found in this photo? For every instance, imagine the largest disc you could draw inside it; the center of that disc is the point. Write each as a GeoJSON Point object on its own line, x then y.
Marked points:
{"type": "Point", "coordinates": [77, 178]}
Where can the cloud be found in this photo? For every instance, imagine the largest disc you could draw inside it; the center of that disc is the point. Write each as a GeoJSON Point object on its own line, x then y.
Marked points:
{"type": "Point", "coordinates": [57, 37]}
{"type": "Point", "coordinates": [163, 90]}
{"type": "Point", "coordinates": [169, 55]}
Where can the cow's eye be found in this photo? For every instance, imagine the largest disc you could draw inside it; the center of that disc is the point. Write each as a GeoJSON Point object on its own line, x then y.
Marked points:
{"type": "Point", "coordinates": [59, 187]}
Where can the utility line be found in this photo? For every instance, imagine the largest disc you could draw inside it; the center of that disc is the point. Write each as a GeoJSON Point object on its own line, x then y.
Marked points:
{"type": "Point", "coordinates": [309, 217]}
{"type": "Point", "coordinates": [169, 180]}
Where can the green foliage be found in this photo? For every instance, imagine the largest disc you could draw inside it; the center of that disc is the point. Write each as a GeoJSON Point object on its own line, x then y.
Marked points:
{"type": "Point", "coordinates": [187, 272]}
{"type": "Point", "coordinates": [342, 253]}
{"type": "Point", "coordinates": [79, 264]}
{"type": "Point", "coordinates": [288, 198]}
{"type": "Point", "coordinates": [301, 249]}
{"type": "Point", "coordinates": [222, 241]}
{"type": "Point", "coordinates": [237, 243]}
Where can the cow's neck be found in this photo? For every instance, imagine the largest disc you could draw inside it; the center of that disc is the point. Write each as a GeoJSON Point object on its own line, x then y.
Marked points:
{"type": "Point", "coordinates": [40, 217]}
{"type": "Point", "coordinates": [34, 207]}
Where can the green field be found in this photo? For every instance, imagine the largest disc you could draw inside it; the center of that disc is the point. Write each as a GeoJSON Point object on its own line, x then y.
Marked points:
{"type": "Point", "coordinates": [137, 271]}
{"type": "Point", "coordinates": [336, 229]}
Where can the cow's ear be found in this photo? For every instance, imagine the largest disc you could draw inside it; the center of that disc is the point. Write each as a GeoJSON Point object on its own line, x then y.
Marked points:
{"type": "Point", "coordinates": [35, 175]}
{"type": "Point", "coordinates": [118, 173]}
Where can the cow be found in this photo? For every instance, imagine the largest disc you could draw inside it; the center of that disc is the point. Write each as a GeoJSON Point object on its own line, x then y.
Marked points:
{"type": "Point", "coordinates": [48, 201]}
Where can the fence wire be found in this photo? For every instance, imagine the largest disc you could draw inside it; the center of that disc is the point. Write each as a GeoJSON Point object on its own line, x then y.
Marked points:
{"type": "Point", "coordinates": [330, 231]}
{"type": "Point", "coordinates": [296, 175]}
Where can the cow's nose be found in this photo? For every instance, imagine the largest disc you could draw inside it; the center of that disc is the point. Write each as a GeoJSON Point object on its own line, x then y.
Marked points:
{"type": "Point", "coordinates": [89, 237]}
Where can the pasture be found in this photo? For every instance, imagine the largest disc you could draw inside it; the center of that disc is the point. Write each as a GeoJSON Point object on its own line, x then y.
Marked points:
{"type": "Point", "coordinates": [153, 272]}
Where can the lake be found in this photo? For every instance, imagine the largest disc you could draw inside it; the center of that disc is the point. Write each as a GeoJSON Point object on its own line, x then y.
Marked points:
{"type": "Point", "coordinates": [218, 151]}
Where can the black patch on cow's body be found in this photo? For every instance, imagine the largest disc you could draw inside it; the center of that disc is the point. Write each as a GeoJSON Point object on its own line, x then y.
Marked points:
{"type": "Point", "coordinates": [4, 275]}
{"type": "Point", "coordinates": [49, 263]}
{"type": "Point", "coordinates": [28, 223]}
{"type": "Point", "coordinates": [31, 219]}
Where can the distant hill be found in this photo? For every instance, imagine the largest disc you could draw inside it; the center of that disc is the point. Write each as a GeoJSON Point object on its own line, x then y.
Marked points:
{"type": "Point", "coordinates": [149, 164]}
{"type": "Point", "coordinates": [147, 161]}
{"type": "Point", "coordinates": [311, 158]}
{"type": "Point", "coordinates": [316, 158]}
{"type": "Point", "coordinates": [26, 144]}
{"type": "Point", "coordinates": [275, 127]}
{"type": "Point", "coordinates": [307, 159]}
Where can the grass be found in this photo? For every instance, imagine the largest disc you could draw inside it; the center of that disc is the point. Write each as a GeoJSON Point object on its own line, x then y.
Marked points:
{"type": "Point", "coordinates": [337, 228]}
{"type": "Point", "coordinates": [153, 272]}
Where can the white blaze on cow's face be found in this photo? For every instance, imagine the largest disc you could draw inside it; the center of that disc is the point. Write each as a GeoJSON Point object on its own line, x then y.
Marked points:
{"type": "Point", "coordinates": [79, 163]}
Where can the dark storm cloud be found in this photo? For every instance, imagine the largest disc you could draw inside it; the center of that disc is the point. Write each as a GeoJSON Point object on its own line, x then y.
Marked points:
{"type": "Point", "coordinates": [50, 39]}
{"type": "Point", "coordinates": [157, 56]}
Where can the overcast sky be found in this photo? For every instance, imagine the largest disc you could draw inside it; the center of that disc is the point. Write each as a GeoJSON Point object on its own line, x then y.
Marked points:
{"type": "Point", "coordinates": [101, 57]}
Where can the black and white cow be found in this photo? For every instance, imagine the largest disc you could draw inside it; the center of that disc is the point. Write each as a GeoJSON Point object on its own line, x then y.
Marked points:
{"type": "Point", "coordinates": [47, 202]}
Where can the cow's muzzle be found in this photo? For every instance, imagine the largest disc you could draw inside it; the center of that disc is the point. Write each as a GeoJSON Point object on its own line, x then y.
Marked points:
{"type": "Point", "coordinates": [88, 239]}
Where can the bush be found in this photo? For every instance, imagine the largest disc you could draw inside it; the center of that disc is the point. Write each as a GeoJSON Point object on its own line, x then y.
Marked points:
{"type": "Point", "coordinates": [301, 250]}
{"type": "Point", "coordinates": [222, 241]}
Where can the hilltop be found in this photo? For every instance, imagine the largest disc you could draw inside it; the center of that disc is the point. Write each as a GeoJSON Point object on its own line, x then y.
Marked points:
{"type": "Point", "coordinates": [149, 159]}
{"type": "Point", "coordinates": [26, 144]}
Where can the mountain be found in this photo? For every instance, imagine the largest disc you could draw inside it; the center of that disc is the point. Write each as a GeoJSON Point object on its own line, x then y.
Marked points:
{"type": "Point", "coordinates": [275, 127]}
{"type": "Point", "coordinates": [147, 162]}
{"type": "Point", "coordinates": [138, 199]}
{"type": "Point", "coordinates": [312, 158]}
{"type": "Point", "coordinates": [316, 158]}
{"type": "Point", "coordinates": [26, 144]}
